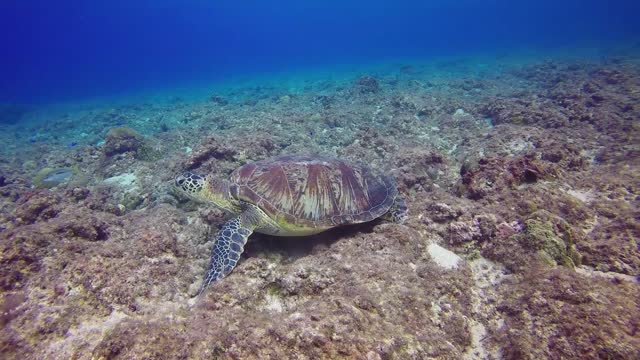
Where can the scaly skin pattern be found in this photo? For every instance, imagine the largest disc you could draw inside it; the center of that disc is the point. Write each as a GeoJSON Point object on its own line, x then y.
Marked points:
{"type": "Point", "coordinates": [398, 213]}
{"type": "Point", "coordinates": [207, 189]}
{"type": "Point", "coordinates": [218, 193]}
{"type": "Point", "coordinates": [227, 248]}
{"type": "Point", "coordinates": [229, 242]}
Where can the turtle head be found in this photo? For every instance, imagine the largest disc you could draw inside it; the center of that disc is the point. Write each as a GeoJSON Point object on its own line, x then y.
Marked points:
{"type": "Point", "coordinates": [190, 184]}
{"type": "Point", "coordinates": [207, 189]}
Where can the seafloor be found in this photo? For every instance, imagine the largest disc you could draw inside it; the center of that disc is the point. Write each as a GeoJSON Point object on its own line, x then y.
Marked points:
{"type": "Point", "coordinates": [522, 179]}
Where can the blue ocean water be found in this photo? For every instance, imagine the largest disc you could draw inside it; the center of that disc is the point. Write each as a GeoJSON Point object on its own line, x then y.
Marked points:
{"type": "Point", "coordinates": [71, 49]}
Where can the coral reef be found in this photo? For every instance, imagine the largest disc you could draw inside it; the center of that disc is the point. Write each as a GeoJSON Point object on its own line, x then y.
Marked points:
{"type": "Point", "coordinates": [122, 139]}
{"type": "Point", "coordinates": [544, 317]}
{"type": "Point", "coordinates": [522, 242]}
{"type": "Point", "coordinates": [499, 173]}
{"type": "Point", "coordinates": [366, 85]}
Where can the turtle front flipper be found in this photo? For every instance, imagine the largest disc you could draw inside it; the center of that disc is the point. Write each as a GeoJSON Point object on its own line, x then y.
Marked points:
{"type": "Point", "coordinates": [227, 248]}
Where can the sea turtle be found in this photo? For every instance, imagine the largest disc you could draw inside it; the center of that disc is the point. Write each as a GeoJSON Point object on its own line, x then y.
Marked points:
{"type": "Point", "coordinates": [294, 195]}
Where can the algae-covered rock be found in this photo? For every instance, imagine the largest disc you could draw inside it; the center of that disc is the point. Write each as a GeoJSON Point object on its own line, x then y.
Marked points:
{"type": "Point", "coordinates": [126, 190]}
{"type": "Point", "coordinates": [121, 140]}
{"type": "Point", "coordinates": [367, 85]}
{"type": "Point", "coordinates": [39, 206]}
{"type": "Point", "coordinates": [551, 237]}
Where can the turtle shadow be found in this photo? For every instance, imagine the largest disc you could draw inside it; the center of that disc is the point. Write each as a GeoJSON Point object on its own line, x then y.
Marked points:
{"type": "Point", "coordinates": [295, 247]}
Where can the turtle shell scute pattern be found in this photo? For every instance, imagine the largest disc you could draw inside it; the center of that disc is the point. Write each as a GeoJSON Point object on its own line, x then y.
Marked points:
{"type": "Point", "coordinates": [314, 191]}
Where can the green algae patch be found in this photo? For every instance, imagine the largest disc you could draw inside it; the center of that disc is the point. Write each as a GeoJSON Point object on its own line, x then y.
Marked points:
{"type": "Point", "coordinates": [52, 177]}
{"type": "Point", "coordinates": [552, 238]}
{"type": "Point", "coordinates": [274, 289]}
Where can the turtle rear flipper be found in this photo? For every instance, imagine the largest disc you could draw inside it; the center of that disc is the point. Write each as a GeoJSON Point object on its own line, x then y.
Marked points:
{"type": "Point", "coordinates": [227, 248]}
{"type": "Point", "coordinates": [398, 213]}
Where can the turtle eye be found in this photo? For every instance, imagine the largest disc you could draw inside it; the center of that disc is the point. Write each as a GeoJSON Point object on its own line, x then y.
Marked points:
{"type": "Point", "coordinates": [180, 180]}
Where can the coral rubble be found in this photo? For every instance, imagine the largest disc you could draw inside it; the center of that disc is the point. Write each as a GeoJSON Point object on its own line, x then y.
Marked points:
{"type": "Point", "coordinates": [522, 183]}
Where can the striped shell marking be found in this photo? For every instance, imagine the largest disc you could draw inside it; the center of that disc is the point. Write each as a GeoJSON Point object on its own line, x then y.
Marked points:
{"type": "Point", "coordinates": [314, 191]}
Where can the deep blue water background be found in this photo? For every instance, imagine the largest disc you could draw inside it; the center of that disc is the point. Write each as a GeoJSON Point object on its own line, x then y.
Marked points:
{"type": "Point", "coordinates": [70, 49]}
